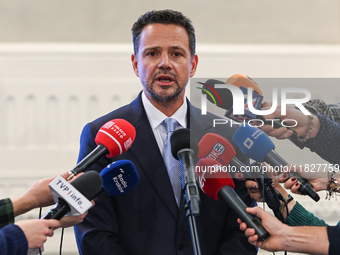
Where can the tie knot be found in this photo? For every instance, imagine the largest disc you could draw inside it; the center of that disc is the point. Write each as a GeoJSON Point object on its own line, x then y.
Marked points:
{"type": "Point", "coordinates": [170, 124]}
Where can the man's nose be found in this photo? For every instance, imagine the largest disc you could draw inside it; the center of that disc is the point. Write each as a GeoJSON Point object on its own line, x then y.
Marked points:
{"type": "Point", "coordinates": [164, 61]}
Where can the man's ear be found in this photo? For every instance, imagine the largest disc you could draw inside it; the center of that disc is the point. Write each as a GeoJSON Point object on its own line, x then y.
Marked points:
{"type": "Point", "coordinates": [134, 64]}
{"type": "Point", "coordinates": [194, 64]}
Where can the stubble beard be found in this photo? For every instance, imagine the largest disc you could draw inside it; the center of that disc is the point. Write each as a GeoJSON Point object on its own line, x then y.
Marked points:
{"type": "Point", "coordinates": [164, 97]}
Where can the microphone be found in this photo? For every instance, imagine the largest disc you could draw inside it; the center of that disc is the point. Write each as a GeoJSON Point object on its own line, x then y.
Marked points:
{"type": "Point", "coordinates": [116, 179]}
{"type": "Point", "coordinates": [240, 80]}
{"type": "Point", "coordinates": [223, 187]}
{"type": "Point", "coordinates": [217, 147]}
{"type": "Point", "coordinates": [255, 144]}
{"type": "Point", "coordinates": [113, 138]}
{"type": "Point", "coordinates": [225, 98]}
{"type": "Point", "coordinates": [184, 147]}
{"type": "Point", "coordinates": [220, 149]}
{"type": "Point", "coordinates": [74, 197]}
{"type": "Point", "coordinates": [119, 177]}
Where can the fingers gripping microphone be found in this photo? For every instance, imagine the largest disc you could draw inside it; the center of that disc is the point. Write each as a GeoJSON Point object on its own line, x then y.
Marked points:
{"type": "Point", "coordinates": [116, 179]}
{"type": "Point", "coordinates": [184, 147]}
{"type": "Point", "coordinates": [112, 139]}
{"type": "Point", "coordinates": [255, 144]}
{"type": "Point", "coordinates": [73, 196]}
{"type": "Point", "coordinates": [226, 100]}
{"type": "Point", "coordinates": [223, 187]}
{"type": "Point", "coordinates": [241, 80]}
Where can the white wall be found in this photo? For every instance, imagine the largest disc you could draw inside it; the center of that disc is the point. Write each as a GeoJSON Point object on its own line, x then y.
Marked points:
{"type": "Point", "coordinates": [48, 92]}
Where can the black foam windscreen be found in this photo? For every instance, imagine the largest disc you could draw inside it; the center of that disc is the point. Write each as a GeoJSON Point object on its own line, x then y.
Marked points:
{"type": "Point", "coordinates": [89, 184]}
{"type": "Point", "coordinates": [223, 93]}
{"type": "Point", "coordinates": [183, 139]}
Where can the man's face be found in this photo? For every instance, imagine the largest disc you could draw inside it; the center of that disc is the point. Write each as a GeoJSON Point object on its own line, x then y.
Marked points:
{"type": "Point", "coordinates": [163, 62]}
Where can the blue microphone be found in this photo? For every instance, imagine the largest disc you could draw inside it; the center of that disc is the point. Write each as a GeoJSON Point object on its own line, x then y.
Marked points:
{"type": "Point", "coordinates": [119, 177]}
{"type": "Point", "coordinates": [255, 144]}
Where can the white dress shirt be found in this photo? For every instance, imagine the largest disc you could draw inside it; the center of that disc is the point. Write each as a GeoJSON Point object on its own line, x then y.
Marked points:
{"type": "Point", "coordinates": [156, 117]}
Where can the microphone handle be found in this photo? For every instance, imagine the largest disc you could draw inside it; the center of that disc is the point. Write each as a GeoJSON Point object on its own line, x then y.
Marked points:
{"type": "Point", "coordinates": [239, 207]}
{"type": "Point", "coordinates": [88, 161]}
{"type": "Point", "coordinates": [276, 124]}
{"type": "Point", "coordinates": [57, 211]}
{"type": "Point", "coordinates": [189, 181]}
{"type": "Point", "coordinates": [305, 187]}
{"type": "Point", "coordinates": [270, 196]}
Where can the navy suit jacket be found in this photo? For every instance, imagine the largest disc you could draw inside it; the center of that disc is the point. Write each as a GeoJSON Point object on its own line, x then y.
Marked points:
{"type": "Point", "coordinates": [146, 220]}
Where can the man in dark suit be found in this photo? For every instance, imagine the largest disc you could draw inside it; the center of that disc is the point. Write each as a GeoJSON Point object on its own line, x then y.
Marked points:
{"type": "Point", "coordinates": [147, 220]}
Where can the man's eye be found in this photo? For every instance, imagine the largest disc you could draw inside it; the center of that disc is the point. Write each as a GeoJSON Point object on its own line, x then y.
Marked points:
{"type": "Point", "coordinates": [177, 54]}
{"type": "Point", "coordinates": [152, 54]}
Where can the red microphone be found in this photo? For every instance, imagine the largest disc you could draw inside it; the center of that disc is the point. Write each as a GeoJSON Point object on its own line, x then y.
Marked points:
{"type": "Point", "coordinates": [215, 186]}
{"type": "Point", "coordinates": [220, 149]}
{"type": "Point", "coordinates": [113, 138]}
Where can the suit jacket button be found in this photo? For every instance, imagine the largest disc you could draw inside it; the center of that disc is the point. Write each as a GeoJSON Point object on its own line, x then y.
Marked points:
{"type": "Point", "coordinates": [180, 247]}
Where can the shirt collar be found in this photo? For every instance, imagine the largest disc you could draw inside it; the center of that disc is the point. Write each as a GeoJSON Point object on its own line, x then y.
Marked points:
{"type": "Point", "coordinates": [156, 117]}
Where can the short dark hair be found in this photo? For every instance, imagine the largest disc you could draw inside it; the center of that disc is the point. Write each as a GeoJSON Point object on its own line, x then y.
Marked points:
{"type": "Point", "coordinates": [164, 17]}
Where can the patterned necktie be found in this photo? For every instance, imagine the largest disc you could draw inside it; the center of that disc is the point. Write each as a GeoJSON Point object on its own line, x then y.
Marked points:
{"type": "Point", "coordinates": [172, 165]}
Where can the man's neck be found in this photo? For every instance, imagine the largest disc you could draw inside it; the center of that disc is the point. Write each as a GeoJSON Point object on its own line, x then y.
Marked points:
{"type": "Point", "coordinates": [168, 107]}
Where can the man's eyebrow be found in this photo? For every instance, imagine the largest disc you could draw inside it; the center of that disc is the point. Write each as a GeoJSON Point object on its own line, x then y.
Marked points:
{"type": "Point", "coordinates": [151, 48]}
{"type": "Point", "coordinates": [177, 48]}
{"type": "Point", "coordinates": [158, 47]}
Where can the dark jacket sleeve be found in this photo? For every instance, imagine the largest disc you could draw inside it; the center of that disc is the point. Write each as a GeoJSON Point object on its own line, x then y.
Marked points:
{"type": "Point", "coordinates": [326, 142]}
{"type": "Point", "coordinates": [13, 241]}
{"type": "Point", "coordinates": [100, 226]}
{"type": "Point", "coordinates": [6, 212]}
{"type": "Point", "coordinates": [333, 233]}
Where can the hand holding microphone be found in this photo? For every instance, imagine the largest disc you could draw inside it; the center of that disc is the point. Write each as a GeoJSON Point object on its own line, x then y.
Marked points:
{"type": "Point", "coordinates": [218, 184]}
{"type": "Point", "coordinates": [276, 229]}
{"type": "Point", "coordinates": [116, 179]}
{"type": "Point", "coordinates": [74, 197]}
{"type": "Point", "coordinates": [113, 138]}
{"type": "Point", "coordinates": [302, 123]}
{"type": "Point", "coordinates": [243, 81]}
{"type": "Point", "coordinates": [255, 144]}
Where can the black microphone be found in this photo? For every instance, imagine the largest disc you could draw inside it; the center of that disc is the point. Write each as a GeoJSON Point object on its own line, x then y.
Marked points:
{"type": "Point", "coordinates": [217, 185]}
{"type": "Point", "coordinates": [71, 196]}
{"type": "Point", "coordinates": [255, 144]}
{"type": "Point", "coordinates": [270, 195]}
{"type": "Point", "coordinates": [184, 147]}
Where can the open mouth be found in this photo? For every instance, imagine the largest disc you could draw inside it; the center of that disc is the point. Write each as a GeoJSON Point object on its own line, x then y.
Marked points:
{"type": "Point", "coordinates": [164, 79]}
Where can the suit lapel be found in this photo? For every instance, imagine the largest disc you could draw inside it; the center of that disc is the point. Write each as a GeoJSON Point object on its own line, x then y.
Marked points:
{"type": "Point", "coordinates": [147, 154]}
